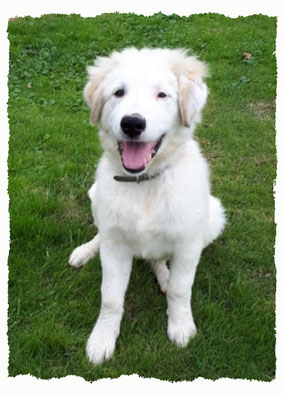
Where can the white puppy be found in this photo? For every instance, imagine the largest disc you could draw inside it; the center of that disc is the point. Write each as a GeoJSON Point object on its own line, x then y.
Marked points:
{"type": "Point", "coordinates": [151, 198]}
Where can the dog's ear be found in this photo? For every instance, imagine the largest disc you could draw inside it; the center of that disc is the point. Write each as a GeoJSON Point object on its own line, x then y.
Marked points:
{"type": "Point", "coordinates": [193, 91]}
{"type": "Point", "coordinates": [192, 99]}
{"type": "Point", "coordinates": [94, 99]}
{"type": "Point", "coordinates": [93, 91]}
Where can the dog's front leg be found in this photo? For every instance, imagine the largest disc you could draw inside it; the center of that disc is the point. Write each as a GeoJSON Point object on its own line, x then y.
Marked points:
{"type": "Point", "coordinates": [116, 262]}
{"type": "Point", "coordinates": [181, 326]}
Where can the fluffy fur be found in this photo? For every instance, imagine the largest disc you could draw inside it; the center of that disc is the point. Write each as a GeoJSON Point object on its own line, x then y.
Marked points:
{"type": "Point", "coordinates": [170, 218]}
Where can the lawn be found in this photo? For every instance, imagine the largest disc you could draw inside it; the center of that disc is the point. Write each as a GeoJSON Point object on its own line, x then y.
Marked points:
{"type": "Point", "coordinates": [53, 152]}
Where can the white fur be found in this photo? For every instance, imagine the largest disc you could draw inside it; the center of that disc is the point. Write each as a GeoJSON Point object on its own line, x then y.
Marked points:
{"type": "Point", "coordinates": [169, 218]}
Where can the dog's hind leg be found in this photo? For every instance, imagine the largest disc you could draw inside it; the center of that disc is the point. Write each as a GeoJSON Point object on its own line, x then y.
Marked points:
{"type": "Point", "coordinates": [216, 220]}
{"type": "Point", "coordinates": [162, 273]}
{"type": "Point", "coordinates": [82, 254]}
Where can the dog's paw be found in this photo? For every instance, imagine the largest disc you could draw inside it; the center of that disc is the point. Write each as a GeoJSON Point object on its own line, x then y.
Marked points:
{"type": "Point", "coordinates": [80, 256]}
{"type": "Point", "coordinates": [180, 334]}
{"type": "Point", "coordinates": [100, 348]}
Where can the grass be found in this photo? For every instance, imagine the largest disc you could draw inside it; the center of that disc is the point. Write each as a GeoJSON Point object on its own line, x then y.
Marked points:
{"type": "Point", "coordinates": [53, 152]}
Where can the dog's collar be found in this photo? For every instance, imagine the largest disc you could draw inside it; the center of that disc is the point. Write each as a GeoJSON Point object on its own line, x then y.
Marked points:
{"type": "Point", "coordinates": [137, 178]}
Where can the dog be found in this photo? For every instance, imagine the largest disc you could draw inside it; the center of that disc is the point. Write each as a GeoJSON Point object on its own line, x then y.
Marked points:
{"type": "Point", "coordinates": [151, 197]}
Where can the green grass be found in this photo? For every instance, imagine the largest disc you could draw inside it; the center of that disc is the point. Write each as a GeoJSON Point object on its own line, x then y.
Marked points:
{"type": "Point", "coordinates": [53, 152]}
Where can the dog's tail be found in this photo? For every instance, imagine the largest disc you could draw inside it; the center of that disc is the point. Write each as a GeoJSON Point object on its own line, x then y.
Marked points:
{"type": "Point", "coordinates": [216, 220]}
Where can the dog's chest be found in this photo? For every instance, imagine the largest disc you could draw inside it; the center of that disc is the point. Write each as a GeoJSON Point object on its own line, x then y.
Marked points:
{"type": "Point", "coordinates": [138, 211]}
{"type": "Point", "coordinates": [145, 224]}
{"type": "Point", "coordinates": [152, 216]}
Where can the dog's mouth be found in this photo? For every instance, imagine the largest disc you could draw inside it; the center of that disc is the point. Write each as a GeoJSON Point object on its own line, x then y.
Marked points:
{"type": "Point", "coordinates": [136, 156]}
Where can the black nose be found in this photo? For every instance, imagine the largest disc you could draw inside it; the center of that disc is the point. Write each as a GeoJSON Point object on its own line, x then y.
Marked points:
{"type": "Point", "coordinates": [133, 125]}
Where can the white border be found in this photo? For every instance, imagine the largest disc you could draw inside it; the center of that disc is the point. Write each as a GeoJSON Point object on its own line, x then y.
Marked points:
{"type": "Point", "coordinates": [87, 8]}
{"type": "Point", "coordinates": [91, 8]}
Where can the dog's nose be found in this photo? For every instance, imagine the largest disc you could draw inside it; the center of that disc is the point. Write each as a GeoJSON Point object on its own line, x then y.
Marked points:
{"type": "Point", "coordinates": [133, 125]}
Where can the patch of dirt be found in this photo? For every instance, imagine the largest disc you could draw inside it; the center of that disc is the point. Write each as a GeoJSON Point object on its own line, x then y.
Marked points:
{"type": "Point", "coordinates": [263, 109]}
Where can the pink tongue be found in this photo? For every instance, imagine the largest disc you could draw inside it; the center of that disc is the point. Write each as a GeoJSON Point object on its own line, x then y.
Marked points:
{"type": "Point", "coordinates": [136, 155]}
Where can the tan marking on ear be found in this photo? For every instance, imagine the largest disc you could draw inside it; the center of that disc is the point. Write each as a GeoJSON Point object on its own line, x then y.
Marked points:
{"type": "Point", "coordinates": [88, 92]}
{"type": "Point", "coordinates": [184, 91]}
{"type": "Point", "coordinates": [97, 106]}
{"type": "Point", "coordinates": [93, 91]}
{"type": "Point", "coordinates": [188, 70]}
{"type": "Point", "coordinates": [94, 99]}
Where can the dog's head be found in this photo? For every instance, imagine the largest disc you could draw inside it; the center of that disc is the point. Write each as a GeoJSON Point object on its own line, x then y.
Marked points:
{"type": "Point", "coordinates": [142, 99]}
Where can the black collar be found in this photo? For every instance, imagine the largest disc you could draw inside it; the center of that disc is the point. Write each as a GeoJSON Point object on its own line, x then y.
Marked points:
{"type": "Point", "coordinates": [137, 178]}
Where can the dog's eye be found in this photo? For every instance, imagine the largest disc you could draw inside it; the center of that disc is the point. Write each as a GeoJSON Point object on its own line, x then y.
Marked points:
{"type": "Point", "coordinates": [119, 93]}
{"type": "Point", "coordinates": [161, 95]}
